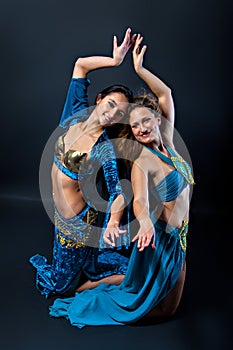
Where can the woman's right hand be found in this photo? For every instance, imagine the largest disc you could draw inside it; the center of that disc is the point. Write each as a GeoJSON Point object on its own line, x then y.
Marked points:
{"type": "Point", "coordinates": [138, 53]}
{"type": "Point", "coordinates": [145, 234]}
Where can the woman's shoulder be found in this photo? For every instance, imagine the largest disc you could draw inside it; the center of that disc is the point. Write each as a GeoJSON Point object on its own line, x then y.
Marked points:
{"type": "Point", "coordinates": [145, 158]}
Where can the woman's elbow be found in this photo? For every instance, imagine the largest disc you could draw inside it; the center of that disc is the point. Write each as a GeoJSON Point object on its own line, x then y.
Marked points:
{"type": "Point", "coordinates": [168, 91]}
{"type": "Point", "coordinates": [79, 63]}
{"type": "Point", "coordinates": [80, 70]}
{"type": "Point", "coordinates": [139, 203]}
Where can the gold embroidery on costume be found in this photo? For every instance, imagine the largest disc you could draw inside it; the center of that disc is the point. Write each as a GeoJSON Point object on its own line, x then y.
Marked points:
{"type": "Point", "coordinates": [79, 234]}
{"type": "Point", "coordinates": [68, 243]}
{"type": "Point", "coordinates": [181, 165]}
{"type": "Point", "coordinates": [183, 235]}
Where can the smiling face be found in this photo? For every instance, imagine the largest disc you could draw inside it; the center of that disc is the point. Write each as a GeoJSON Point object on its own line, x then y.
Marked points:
{"type": "Point", "coordinates": [145, 125]}
{"type": "Point", "coordinates": [112, 108]}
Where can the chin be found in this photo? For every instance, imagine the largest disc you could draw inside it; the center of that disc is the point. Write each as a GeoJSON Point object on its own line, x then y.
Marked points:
{"type": "Point", "coordinates": [144, 140]}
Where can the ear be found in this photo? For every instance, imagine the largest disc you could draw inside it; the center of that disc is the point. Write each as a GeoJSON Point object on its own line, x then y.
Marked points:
{"type": "Point", "coordinates": [98, 98]}
{"type": "Point", "coordinates": [159, 120]}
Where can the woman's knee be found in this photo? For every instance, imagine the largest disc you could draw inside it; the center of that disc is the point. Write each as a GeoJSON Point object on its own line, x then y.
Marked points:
{"type": "Point", "coordinates": [169, 305]}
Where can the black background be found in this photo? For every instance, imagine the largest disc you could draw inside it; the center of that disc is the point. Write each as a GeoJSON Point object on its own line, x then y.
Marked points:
{"type": "Point", "coordinates": [190, 48]}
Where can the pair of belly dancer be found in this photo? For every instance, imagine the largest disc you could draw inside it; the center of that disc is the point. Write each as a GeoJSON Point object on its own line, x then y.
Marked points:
{"type": "Point", "coordinates": [161, 181]}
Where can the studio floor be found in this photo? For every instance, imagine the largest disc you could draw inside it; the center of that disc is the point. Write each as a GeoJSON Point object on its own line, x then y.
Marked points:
{"type": "Point", "coordinates": [202, 321]}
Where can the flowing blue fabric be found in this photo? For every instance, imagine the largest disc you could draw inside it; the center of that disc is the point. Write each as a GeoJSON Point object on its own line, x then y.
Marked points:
{"type": "Point", "coordinates": [150, 277]}
{"type": "Point", "coordinates": [70, 258]}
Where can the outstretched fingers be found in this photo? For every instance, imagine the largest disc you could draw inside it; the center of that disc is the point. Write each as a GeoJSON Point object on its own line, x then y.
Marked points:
{"type": "Point", "coordinates": [112, 234]}
{"type": "Point", "coordinates": [119, 51]}
{"type": "Point", "coordinates": [137, 44]}
{"type": "Point", "coordinates": [115, 45]}
{"type": "Point", "coordinates": [144, 240]}
{"type": "Point", "coordinates": [132, 41]}
{"type": "Point", "coordinates": [138, 53]}
{"type": "Point", "coordinates": [127, 38]}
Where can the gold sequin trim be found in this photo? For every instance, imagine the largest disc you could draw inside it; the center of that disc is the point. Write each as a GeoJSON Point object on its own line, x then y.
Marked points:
{"type": "Point", "coordinates": [66, 230]}
{"type": "Point", "coordinates": [185, 170]}
{"type": "Point", "coordinates": [183, 235]}
{"type": "Point", "coordinates": [68, 243]}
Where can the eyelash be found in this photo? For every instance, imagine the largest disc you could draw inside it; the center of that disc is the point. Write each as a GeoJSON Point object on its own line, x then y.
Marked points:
{"type": "Point", "coordinates": [111, 104]}
{"type": "Point", "coordinates": [144, 121]}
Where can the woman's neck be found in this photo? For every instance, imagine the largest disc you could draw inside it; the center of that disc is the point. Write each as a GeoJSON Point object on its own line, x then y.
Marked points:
{"type": "Point", "coordinates": [92, 126]}
{"type": "Point", "coordinates": [157, 145]}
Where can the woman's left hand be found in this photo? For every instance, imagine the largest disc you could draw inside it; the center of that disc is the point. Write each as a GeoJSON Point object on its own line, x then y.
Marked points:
{"type": "Point", "coordinates": [111, 233]}
{"type": "Point", "coordinates": [119, 52]}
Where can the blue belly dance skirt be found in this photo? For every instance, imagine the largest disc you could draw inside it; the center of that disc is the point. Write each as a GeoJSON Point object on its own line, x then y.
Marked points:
{"type": "Point", "coordinates": [150, 277]}
{"type": "Point", "coordinates": [72, 256]}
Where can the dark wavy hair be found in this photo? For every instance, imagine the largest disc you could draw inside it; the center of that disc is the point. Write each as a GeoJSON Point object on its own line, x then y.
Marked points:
{"type": "Point", "coordinates": [116, 88]}
{"type": "Point", "coordinates": [115, 130]}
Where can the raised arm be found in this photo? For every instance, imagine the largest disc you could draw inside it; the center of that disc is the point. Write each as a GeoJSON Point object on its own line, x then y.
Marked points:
{"type": "Point", "coordinates": [157, 86]}
{"type": "Point", "coordinates": [84, 65]}
{"type": "Point", "coordinates": [77, 98]}
{"type": "Point", "coordinates": [139, 179]}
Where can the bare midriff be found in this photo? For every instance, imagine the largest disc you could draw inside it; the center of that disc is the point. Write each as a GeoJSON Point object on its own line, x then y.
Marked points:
{"type": "Point", "coordinates": [176, 211]}
{"type": "Point", "coordinates": [67, 196]}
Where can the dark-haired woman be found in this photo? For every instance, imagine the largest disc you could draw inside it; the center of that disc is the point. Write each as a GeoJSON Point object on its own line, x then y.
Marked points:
{"type": "Point", "coordinates": [81, 153]}
{"type": "Point", "coordinates": [161, 182]}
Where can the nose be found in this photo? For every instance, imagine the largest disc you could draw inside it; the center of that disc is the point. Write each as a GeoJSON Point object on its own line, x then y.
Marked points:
{"type": "Point", "coordinates": [114, 113]}
{"type": "Point", "coordinates": [142, 128]}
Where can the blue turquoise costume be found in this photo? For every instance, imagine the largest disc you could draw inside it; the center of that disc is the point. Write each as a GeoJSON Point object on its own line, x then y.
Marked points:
{"type": "Point", "coordinates": [151, 274]}
{"type": "Point", "coordinates": [75, 251]}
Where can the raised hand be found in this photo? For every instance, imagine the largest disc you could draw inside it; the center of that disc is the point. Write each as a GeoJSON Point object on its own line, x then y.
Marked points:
{"type": "Point", "coordinates": [119, 52]}
{"type": "Point", "coordinates": [138, 53]}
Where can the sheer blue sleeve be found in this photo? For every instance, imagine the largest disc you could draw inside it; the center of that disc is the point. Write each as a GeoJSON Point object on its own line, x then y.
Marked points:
{"type": "Point", "coordinates": [114, 188]}
{"type": "Point", "coordinates": [107, 157]}
{"type": "Point", "coordinates": [76, 100]}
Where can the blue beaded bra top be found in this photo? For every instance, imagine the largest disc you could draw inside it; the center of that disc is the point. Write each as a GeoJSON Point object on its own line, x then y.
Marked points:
{"type": "Point", "coordinates": [169, 188]}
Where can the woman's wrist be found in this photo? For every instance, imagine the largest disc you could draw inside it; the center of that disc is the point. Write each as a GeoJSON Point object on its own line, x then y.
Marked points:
{"type": "Point", "coordinates": [139, 70]}
{"type": "Point", "coordinates": [145, 221]}
{"type": "Point", "coordinates": [113, 223]}
{"type": "Point", "coordinates": [116, 61]}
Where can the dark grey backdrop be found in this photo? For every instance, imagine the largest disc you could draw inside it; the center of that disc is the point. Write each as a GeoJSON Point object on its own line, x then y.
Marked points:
{"type": "Point", "coordinates": [190, 48]}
